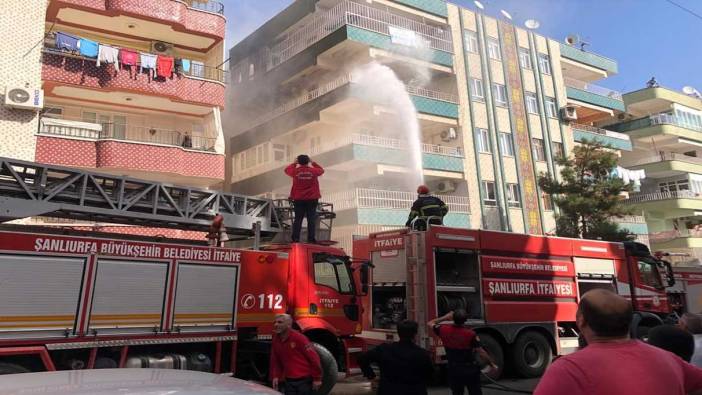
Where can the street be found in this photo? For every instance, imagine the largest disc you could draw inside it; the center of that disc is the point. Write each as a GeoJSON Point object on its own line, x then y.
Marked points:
{"type": "Point", "coordinates": [357, 386]}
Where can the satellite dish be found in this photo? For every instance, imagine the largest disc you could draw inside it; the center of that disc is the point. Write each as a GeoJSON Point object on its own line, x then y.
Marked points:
{"type": "Point", "coordinates": [572, 39]}
{"type": "Point", "coordinates": [688, 90]}
{"type": "Point", "coordinates": [479, 4]}
{"type": "Point", "coordinates": [532, 24]}
{"type": "Point", "coordinates": [506, 14]}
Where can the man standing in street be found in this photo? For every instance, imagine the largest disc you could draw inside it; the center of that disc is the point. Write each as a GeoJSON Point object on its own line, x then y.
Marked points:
{"type": "Point", "coordinates": [461, 343]}
{"type": "Point", "coordinates": [294, 360]}
{"type": "Point", "coordinates": [427, 206]}
{"type": "Point", "coordinates": [612, 362]}
{"type": "Point", "coordinates": [405, 368]}
{"type": "Point", "coordinates": [305, 195]}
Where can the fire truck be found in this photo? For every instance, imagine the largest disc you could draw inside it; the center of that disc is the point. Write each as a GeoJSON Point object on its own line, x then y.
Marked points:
{"type": "Point", "coordinates": [686, 294]}
{"type": "Point", "coordinates": [109, 300]}
{"type": "Point", "coordinates": [521, 291]}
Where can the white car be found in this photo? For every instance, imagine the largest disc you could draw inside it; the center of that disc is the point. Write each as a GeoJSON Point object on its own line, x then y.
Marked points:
{"type": "Point", "coordinates": [127, 382]}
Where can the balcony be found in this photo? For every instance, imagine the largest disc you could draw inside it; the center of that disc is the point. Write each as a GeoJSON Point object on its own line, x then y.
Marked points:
{"type": "Point", "coordinates": [390, 208]}
{"type": "Point", "coordinates": [194, 23]}
{"type": "Point", "coordinates": [659, 125]}
{"type": "Point", "coordinates": [68, 75]}
{"type": "Point", "coordinates": [613, 139]}
{"type": "Point", "coordinates": [589, 58]}
{"type": "Point", "coordinates": [674, 239]}
{"type": "Point", "coordinates": [666, 164]}
{"type": "Point", "coordinates": [128, 149]}
{"type": "Point", "coordinates": [656, 100]}
{"type": "Point", "coordinates": [436, 7]}
{"type": "Point", "coordinates": [595, 95]}
{"type": "Point", "coordinates": [667, 205]}
{"type": "Point", "coordinates": [634, 223]}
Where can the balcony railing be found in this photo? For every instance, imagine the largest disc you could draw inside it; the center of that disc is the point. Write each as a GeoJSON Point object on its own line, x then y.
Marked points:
{"type": "Point", "coordinates": [397, 200]}
{"type": "Point", "coordinates": [206, 5]}
{"type": "Point", "coordinates": [604, 132]}
{"type": "Point", "coordinates": [669, 235]}
{"type": "Point", "coordinates": [126, 132]}
{"type": "Point", "coordinates": [665, 156]}
{"type": "Point", "coordinates": [430, 94]}
{"type": "Point", "coordinates": [592, 88]}
{"type": "Point", "coordinates": [657, 196]}
{"type": "Point", "coordinates": [631, 219]}
{"type": "Point", "coordinates": [662, 119]}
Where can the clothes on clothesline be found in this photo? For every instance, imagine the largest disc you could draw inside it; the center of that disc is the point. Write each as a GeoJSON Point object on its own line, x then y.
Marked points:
{"type": "Point", "coordinates": [88, 48]}
{"type": "Point", "coordinates": [164, 66]}
{"type": "Point", "coordinates": [67, 42]}
{"type": "Point", "coordinates": [148, 61]}
{"type": "Point", "coordinates": [634, 176]}
{"type": "Point", "coordinates": [108, 54]}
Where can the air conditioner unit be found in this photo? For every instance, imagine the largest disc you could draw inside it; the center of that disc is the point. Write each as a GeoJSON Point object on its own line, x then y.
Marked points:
{"type": "Point", "coordinates": [445, 186]}
{"type": "Point", "coordinates": [24, 98]}
{"type": "Point", "coordinates": [569, 113]}
{"type": "Point", "coordinates": [448, 135]}
{"type": "Point", "coordinates": [161, 48]}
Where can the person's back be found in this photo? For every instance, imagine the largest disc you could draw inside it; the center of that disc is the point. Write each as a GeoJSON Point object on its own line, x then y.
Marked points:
{"type": "Point", "coordinates": [399, 371]}
{"type": "Point", "coordinates": [425, 207]}
{"type": "Point", "coordinates": [674, 339]}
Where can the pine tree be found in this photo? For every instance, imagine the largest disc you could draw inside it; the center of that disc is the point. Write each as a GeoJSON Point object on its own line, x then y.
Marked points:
{"type": "Point", "coordinates": [587, 195]}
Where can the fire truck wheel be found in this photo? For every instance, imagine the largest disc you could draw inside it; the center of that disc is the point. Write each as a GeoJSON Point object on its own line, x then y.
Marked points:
{"type": "Point", "coordinates": [105, 363]}
{"type": "Point", "coordinates": [329, 369]}
{"type": "Point", "coordinates": [494, 348]}
{"type": "Point", "coordinates": [11, 368]}
{"type": "Point", "coordinates": [531, 354]}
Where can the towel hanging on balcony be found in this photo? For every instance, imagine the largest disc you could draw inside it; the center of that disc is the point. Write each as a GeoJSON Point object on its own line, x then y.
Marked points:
{"type": "Point", "coordinates": [148, 61]}
{"type": "Point", "coordinates": [66, 42]}
{"type": "Point", "coordinates": [88, 48]}
{"type": "Point", "coordinates": [108, 55]}
{"type": "Point", "coordinates": [186, 65]}
{"type": "Point", "coordinates": [164, 66]}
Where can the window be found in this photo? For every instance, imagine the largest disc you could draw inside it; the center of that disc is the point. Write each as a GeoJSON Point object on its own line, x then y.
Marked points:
{"type": "Point", "coordinates": [538, 147]}
{"type": "Point", "coordinates": [531, 103]}
{"type": "Point", "coordinates": [477, 89]}
{"type": "Point", "coordinates": [53, 112]}
{"type": "Point", "coordinates": [332, 272]}
{"type": "Point", "coordinates": [674, 186]}
{"type": "Point", "coordinates": [558, 151]}
{"type": "Point", "coordinates": [547, 201]}
{"type": "Point", "coordinates": [471, 40]}
{"type": "Point", "coordinates": [500, 93]}
{"type": "Point", "coordinates": [281, 153]}
{"type": "Point", "coordinates": [483, 140]}
{"type": "Point", "coordinates": [649, 274]}
{"type": "Point", "coordinates": [524, 58]}
{"type": "Point", "coordinates": [545, 63]}
{"type": "Point", "coordinates": [252, 71]}
{"type": "Point", "coordinates": [489, 198]}
{"type": "Point", "coordinates": [197, 69]}
{"type": "Point", "coordinates": [551, 109]}
{"type": "Point", "coordinates": [514, 199]}
{"type": "Point", "coordinates": [506, 144]}
{"type": "Point", "coordinates": [493, 49]}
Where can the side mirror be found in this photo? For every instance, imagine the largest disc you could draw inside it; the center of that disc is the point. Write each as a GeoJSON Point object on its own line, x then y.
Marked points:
{"type": "Point", "coordinates": [365, 277]}
{"type": "Point", "coordinates": [670, 277]}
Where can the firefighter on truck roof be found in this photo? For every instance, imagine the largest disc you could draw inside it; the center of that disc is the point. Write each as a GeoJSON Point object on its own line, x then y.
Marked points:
{"type": "Point", "coordinates": [426, 207]}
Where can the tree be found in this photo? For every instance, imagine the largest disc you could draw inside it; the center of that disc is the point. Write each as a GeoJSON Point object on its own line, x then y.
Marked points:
{"type": "Point", "coordinates": [587, 194]}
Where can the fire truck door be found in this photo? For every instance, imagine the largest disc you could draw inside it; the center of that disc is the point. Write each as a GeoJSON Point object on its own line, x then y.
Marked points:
{"type": "Point", "coordinates": [648, 288]}
{"type": "Point", "coordinates": [333, 298]}
{"type": "Point", "coordinates": [457, 275]}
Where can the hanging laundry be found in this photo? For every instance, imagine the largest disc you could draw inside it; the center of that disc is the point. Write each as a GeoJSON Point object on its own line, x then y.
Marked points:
{"type": "Point", "coordinates": [178, 68]}
{"type": "Point", "coordinates": [148, 61]}
{"type": "Point", "coordinates": [108, 54]}
{"type": "Point", "coordinates": [88, 48]}
{"type": "Point", "coordinates": [164, 66]}
{"type": "Point", "coordinates": [66, 42]}
{"type": "Point", "coordinates": [128, 57]}
{"type": "Point", "coordinates": [186, 65]}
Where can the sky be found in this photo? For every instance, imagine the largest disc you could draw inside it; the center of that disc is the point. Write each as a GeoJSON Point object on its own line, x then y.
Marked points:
{"type": "Point", "coordinates": [646, 37]}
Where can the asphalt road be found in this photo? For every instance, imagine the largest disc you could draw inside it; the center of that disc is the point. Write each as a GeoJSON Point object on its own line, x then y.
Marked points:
{"type": "Point", "coordinates": [358, 387]}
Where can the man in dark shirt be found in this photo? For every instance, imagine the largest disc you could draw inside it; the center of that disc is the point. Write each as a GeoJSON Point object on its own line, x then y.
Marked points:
{"type": "Point", "coordinates": [405, 368]}
{"type": "Point", "coordinates": [426, 208]}
{"type": "Point", "coordinates": [460, 343]}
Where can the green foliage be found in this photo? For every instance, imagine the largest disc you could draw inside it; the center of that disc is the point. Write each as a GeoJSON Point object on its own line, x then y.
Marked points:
{"type": "Point", "coordinates": [587, 195]}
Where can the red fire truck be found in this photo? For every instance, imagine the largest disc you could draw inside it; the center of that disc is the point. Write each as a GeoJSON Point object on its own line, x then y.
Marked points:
{"type": "Point", "coordinates": [521, 291]}
{"type": "Point", "coordinates": [74, 302]}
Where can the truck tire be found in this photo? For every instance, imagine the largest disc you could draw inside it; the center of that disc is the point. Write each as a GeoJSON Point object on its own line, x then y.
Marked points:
{"type": "Point", "coordinates": [531, 354]}
{"type": "Point", "coordinates": [330, 369]}
{"type": "Point", "coordinates": [11, 368]}
{"type": "Point", "coordinates": [494, 348]}
{"type": "Point", "coordinates": [105, 363]}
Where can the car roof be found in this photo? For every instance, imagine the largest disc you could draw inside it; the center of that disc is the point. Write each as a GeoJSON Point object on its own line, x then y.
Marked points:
{"type": "Point", "coordinates": [127, 382]}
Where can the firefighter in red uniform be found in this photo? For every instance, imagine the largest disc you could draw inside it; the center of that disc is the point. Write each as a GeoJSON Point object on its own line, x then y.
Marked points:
{"type": "Point", "coordinates": [461, 343]}
{"type": "Point", "coordinates": [305, 195]}
{"type": "Point", "coordinates": [294, 360]}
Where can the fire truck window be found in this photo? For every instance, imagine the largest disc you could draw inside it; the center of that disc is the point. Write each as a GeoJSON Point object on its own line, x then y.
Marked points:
{"type": "Point", "coordinates": [324, 274]}
{"type": "Point", "coordinates": [649, 275]}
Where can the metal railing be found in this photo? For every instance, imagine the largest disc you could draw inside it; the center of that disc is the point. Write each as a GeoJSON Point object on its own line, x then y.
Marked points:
{"type": "Point", "coordinates": [132, 133]}
{"type": "Point", "coordinates": [631, 219]}
{"type": "Point", "coordinates": [592, 88]}
{"type": "Point", "coordinates": [604, 132]}
{"type": "Point", "coordinates": [664, 156]}
{"type": "Point", "coordinates": [397, 200]}
{"type": "Point", "coordinates": [661, 119]}
{"type": "Point", "coordinates": [656, 196]}
{"type": "Point", "coordinates": [436, 95]}
{"type": "Point", "coordinates": [206, 5]}
{"type": "Point", "coordinates": [669, 235]}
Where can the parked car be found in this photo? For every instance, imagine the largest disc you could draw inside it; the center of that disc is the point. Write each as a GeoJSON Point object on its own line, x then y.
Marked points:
{"type": "Point", "coordinates": [127, 382]}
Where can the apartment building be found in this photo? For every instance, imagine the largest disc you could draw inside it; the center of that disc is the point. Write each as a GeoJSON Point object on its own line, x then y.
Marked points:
{"type": "Point", "coordinates": [664, 126]}
{"type": "Point", "coordinates": [130, 88]}
{"type": "Point", "coordinates": [495, 104]}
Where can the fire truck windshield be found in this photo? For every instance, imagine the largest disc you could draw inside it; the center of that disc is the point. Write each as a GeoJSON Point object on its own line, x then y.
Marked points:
{"type": "Point", "coordinates": [333, 271]}
{"type": "Point", "coordinates": [648, 273]}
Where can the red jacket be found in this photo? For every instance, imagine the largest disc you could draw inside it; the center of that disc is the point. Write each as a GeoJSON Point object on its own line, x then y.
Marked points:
{"type": "Point", "coordinates": [305, 185]}
{"type": "Point", "coordinates": [294, 358]}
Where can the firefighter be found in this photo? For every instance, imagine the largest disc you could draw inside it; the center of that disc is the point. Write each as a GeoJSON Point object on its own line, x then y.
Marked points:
{"type": "Point", "coordinates": [461, 344]}
{"type": "Point", "coordinates": [305, 195]}
{"type": "Point", "coordinates": [427, 206]}
{"type": "Point", "coordinates": [295, 365]}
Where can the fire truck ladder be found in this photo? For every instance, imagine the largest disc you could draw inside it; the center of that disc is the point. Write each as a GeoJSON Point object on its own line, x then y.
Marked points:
{"type": "Point", "coordinates": [30, 189]}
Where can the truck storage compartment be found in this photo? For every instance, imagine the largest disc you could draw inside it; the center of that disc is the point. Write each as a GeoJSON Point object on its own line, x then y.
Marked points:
{"type": "Point", "coordinates": [129, 296]}
{"type": "Point", "coordinates": [39, 294]}
{"type": "Point", "coordinates": [389, 305]}
{"type": "Point", "coordinates": [205, 297]}
{"type": "Point", "coordinates": [457, 282]}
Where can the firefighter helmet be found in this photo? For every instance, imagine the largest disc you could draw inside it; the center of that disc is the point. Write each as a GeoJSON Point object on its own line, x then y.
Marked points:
{"type": "Point", "coordinates": [423, 190]}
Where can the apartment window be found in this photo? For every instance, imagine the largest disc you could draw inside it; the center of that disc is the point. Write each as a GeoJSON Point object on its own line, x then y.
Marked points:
{"type": "Point", "coordinates": [547, 201]}
{"type": "Point", "coordinates": [483, 138]}
{"type": "Point", "coordinates": [471, 40]}
{"type": "Point", "coordinates": [538, 147]}
{"type": "Point", "coordinates": [500, 93]}
{"type": "Point", "coordinates": [506, 144]}
{"type": "Point", "coordinates": [489, 197]}
{"type": "Point", "coordinates": [252, 71]}
{"type": "Point", "coordinates": [524, 58]}
{"type": "Point", "coordinates": [477, 89]}
{"type": "Point", "coordinates": [531, 103]}
{"type": "Point", "coordinates": [281, 152]}
{"type": "Point", "coordinates": [545, 63]}
{"type": "Point", "coordinates": [558, 151]}
{"type": "Point", "coordinates": [493, 49]}
{"type": "Point", "coordinates": [53, 112]}
{"type": "Point", "coordinates": [674, 186]}
{"type": "Point", "coordinates": [551, 109]}
{"type": "Point", "coordinates": [514, 199]}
